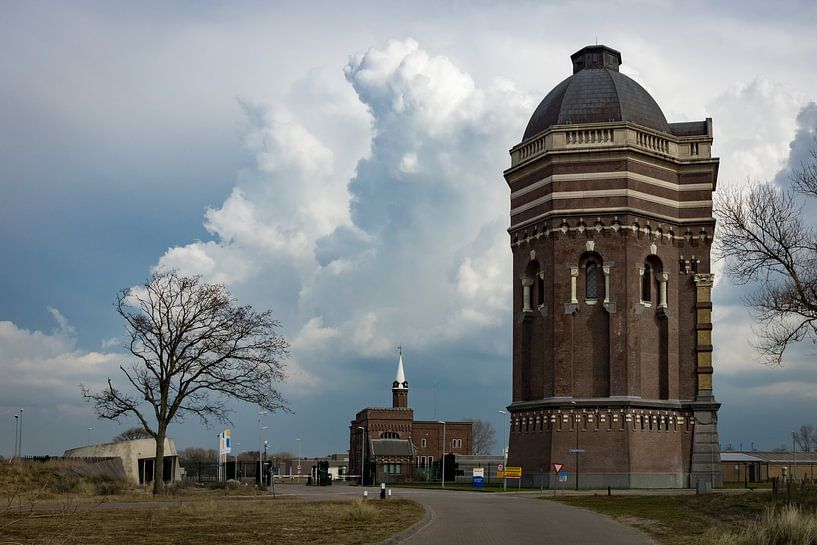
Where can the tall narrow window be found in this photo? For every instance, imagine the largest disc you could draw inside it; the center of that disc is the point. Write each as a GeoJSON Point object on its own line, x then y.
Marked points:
{"type": "Point", "coordinates": [591, 280]}
{"type": "Point", "coordinates": [540, 290]}
{"type": "Point", "coordinates": [646, 284]}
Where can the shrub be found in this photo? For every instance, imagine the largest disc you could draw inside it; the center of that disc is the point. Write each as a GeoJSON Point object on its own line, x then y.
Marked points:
{"type": "Point", "coordinates": [109, 488]}
{"type": "Point", "coordinates": [788, 525]}
{"type": "Point", "coordinates": [359, 511]}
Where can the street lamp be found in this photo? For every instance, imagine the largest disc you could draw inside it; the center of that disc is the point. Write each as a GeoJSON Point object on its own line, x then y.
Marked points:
{"type": "Point", "coordinates": [299, 459]}
{"type": "Point", "coordinates": [20, 443]}
{"type": "Point", "coordinates": [504, 450]}
{"type": "Point", "coordinates": [260, 462]}
{"type": "Point", "coordinates": [90, 428]}
{"type": "Point", "coordinates": [443, 464]}
{"type": "Point", "coordinates": [16, 434]}
{"type": "Point", "coordinates": [362, 456]}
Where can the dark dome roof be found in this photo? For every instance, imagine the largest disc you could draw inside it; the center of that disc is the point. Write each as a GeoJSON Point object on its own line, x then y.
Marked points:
{"type": "Point", "coordinates": [596, 93]}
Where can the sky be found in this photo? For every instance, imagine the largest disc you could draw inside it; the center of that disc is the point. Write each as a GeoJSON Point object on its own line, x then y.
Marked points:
{"type": "Point", "coordinates": [340, 164]}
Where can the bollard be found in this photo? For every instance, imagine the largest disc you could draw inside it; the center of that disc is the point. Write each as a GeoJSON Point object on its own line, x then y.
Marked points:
{"type": "Point", "coordinates": [365, 494]}
{"type": "Point", "coordinates": [390, 492]}
{"type": "Point", "coordinates": [382, 491]}
{"type": "Point", "coordinates": [609, 492]}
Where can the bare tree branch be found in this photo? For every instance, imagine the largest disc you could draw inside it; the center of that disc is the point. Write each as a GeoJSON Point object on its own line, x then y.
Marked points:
{"type": "Point", "coordinates": [194, 348]}
{"type": "Point", "coordinates": [768, 243]}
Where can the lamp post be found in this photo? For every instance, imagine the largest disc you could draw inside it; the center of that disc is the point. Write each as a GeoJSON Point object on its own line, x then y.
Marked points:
{"type": "Point", "coordinates": [505, 449]}
{"type": "Point", "coordinates": [16, 433]}
{"type": "Point", "coordinates": [20, 442]}
{"type": "Point", "coordinates": [90, 428]}
{"type": "Point", "coordinates": [442, 480]}
{"type": "Point", "coordinates": [299, 458]}
{"type": "Point", "coordinates": [260, 461]}
{"type": "Point", "coordinates": [794, 453]}
{"type": "Point", "coordinates": [362, 457]}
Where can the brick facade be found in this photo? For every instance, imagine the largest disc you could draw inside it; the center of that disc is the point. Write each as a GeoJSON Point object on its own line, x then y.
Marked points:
{"type": "Point", "coordinates": [397, 422]}
{"type": "Point", "coordinates": [611, 229]}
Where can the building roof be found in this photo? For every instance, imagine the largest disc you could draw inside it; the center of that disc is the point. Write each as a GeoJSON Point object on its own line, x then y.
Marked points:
{"type": "Point", "coordinates": [597, 93]}
{"type": "Point", "coordinates": [400, 379]}
{"type": "Point", "coordinates": [738, 457]}
{"type": "Point", "coordinates": [392, 447]}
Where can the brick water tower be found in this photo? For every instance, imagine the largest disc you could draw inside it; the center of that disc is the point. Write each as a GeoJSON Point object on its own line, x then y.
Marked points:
{"type": "Point", "coordinates": [611, 229]}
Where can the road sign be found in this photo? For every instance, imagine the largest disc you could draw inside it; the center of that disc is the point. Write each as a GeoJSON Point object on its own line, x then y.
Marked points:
{"type": "Point", "coordinates": [557, 467]}
{"type": "Point", "coordinates": [563, 477]}
{"type": "Point", "coordinates": [500, 467]}
{"type": "Point", "coordinates": [574, 450]}
{"type": "Point", "coordinates": [513, 472]}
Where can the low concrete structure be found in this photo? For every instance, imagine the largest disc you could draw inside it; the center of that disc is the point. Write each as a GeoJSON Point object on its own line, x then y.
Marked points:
{"type": "Point", "coordinates": [137, 458]}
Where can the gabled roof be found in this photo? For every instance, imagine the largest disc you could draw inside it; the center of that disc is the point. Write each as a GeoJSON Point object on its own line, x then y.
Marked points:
{"type": "Point", "coordinates": [392, 447]}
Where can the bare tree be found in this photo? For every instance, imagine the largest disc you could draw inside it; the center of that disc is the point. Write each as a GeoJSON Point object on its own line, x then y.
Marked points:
{"type": "Point", "coordinates": [193, 349]}
{"type": "Point", "coordinates": [483, 436]}
{"type": "Point", "coordinates": [131, 434]}
{"type": "Point", "coordinates": [767, 242]}
{"type": "Point", "coordinates": [194, 455]}
{"type": "Point", "coordinates": [805, 437]}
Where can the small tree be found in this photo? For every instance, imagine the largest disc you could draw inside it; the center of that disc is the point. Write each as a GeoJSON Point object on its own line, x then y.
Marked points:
{"type": "Point", "coordinates": [767, 241]}
{"type": "Point", "coordinates": [132, 434]}
{"type": "Point", "coordinates": [483, 436]}
{"type": "Point", "coordinates": [805, 437]}
{"type": "Point", "coordinates": [193, 349]}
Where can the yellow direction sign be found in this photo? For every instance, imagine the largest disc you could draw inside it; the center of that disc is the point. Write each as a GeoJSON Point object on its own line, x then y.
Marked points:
{"type": "Point", "coordinates": [513, 472]}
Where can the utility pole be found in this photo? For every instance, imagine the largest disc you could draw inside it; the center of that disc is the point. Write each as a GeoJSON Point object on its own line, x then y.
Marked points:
{"type": "Point", "coordinates": [443, 445]}
{"type": "Point", "coordinates": [260, 461]}
{"type": "Point", "coordinates": [504, 450]}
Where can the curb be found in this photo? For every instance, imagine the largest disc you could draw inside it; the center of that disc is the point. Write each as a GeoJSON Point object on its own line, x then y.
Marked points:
{"type": "Point", "coordinates": [415, 528]}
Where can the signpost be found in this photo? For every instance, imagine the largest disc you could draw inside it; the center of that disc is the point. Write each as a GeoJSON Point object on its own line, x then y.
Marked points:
{"type": "Point", "coordinates": [478, 478]}
{"type": "Point", "coordinates": [577, 451]}
{"type": "Point", "coordinates": [514, 473]}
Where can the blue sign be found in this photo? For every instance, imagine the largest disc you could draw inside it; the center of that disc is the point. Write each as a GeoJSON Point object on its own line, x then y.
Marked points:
{"type": "Point", "coordinates": [563, 476]}
{"type": "Point", "coordinates": [478, 482]}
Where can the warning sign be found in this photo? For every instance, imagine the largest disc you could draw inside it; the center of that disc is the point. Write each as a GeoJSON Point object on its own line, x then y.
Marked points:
{"type": "Point", "coordinates": [557, 467]}
{"type": "Point", "coordinates": [513, 472]}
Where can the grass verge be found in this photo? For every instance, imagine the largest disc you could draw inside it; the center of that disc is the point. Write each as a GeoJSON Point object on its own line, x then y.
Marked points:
{"type": "Point", "coordinates": [678, 520]}
{"type": "Point", "coordinates": [209, 521]}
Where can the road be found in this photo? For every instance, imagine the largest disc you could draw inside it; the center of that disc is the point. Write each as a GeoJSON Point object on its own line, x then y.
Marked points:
{"type": "Point", "coordinates": [473, 518]}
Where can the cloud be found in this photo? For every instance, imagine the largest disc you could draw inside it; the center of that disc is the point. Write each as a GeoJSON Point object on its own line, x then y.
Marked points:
{"type": "Point", "coordinates": [754, 123]}
{"type": "Point", "coordinates": [42, 366]}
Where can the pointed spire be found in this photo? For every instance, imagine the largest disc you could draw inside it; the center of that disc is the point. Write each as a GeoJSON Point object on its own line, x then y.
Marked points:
{"type": "Point", "coordinates": [400, 379]}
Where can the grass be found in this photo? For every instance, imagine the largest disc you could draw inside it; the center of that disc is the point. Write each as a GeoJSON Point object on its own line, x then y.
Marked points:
{"type": "Point", "coordinates": [690, 520]}
{"type": "Point", "coordinates": [210, 520]}
{"type": "Point", "coordinates": [785, 525]}
{"type": "Point", "coordinates": [41, 504]}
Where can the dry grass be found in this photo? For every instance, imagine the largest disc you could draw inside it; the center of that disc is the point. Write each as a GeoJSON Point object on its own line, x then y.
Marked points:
{"type": "Point", "coordinates": [678, 520]}
{"type": "Point", "coordinates": [209, 521]}
{"type": "Point", "coordinates": [787, 525]}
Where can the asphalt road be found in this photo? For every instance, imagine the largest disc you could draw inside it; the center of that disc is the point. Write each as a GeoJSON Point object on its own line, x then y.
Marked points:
{"type": "Point", "coordinates": [473, 518]}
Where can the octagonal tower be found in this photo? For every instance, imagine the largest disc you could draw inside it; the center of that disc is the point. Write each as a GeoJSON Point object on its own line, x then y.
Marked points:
{"type": "Point", "coordinates": [611, 228]}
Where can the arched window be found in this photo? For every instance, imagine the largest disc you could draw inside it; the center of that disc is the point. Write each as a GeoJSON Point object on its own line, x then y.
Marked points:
{"type": "Point", "coordinates": [646, 284]}
{"type": "Point", "coordinates": [591, 278]}
{"type": "Point", "coordinates": [390, 435]}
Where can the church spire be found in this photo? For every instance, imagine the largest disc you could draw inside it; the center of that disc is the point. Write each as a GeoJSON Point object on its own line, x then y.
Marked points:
{"type": "Point", "coordinates": [399, 389]}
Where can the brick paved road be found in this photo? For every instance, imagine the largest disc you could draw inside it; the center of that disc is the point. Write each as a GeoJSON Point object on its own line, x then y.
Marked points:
{"type": "Point", "coordinates": [472, 518]}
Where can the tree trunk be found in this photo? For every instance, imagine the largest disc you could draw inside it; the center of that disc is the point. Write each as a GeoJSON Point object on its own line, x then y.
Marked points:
{"type": "Point", "coordinates": [159, 463]}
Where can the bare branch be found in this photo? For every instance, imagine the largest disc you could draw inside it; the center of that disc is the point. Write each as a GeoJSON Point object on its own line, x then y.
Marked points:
{"type": "Point", "coordinates": [194, 348]}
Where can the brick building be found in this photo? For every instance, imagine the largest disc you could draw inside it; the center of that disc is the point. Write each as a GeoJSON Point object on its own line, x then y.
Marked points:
{"type": "Point", "coordinates": [396, 444]}
{"type": "Point", "coordinates": [611, 228]}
